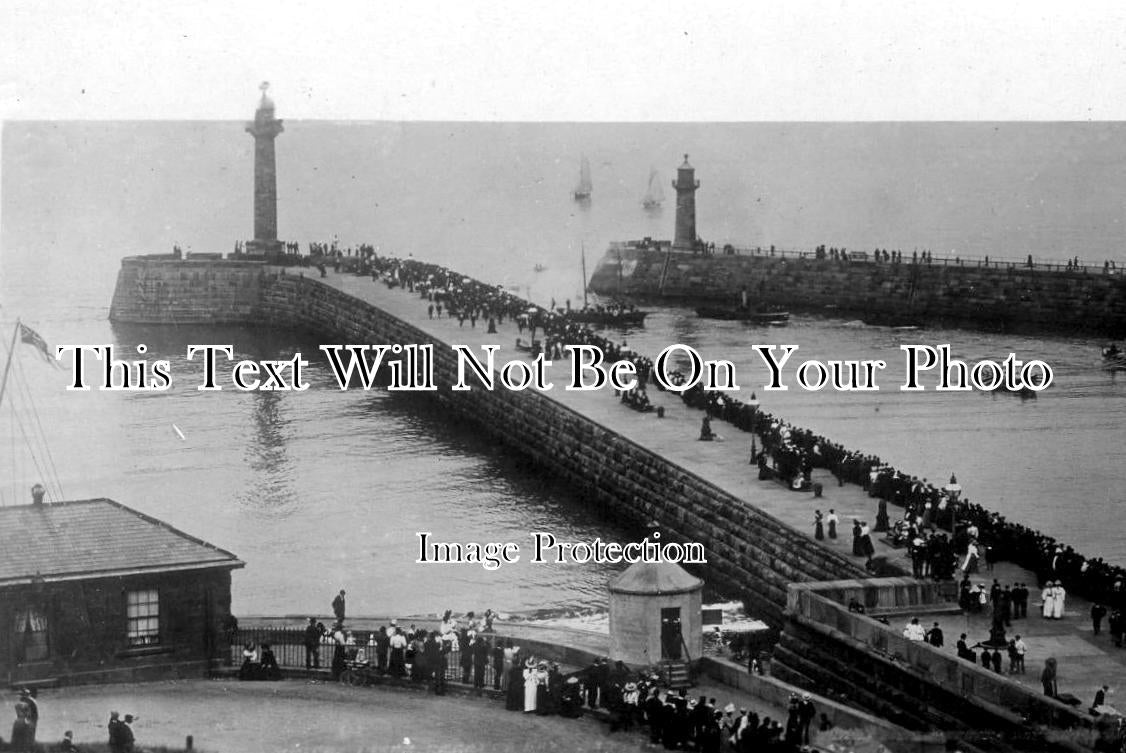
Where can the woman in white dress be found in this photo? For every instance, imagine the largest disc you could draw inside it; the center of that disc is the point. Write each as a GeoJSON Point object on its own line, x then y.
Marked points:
{"type": "Point", "coordinates": [531, 681]}
{"type": "Point", "coordinates": [1058, 599]}
{"type": "Point", "coordinates": [969, 564]}
{"type": "Point", "coordinates": [1047, 599]}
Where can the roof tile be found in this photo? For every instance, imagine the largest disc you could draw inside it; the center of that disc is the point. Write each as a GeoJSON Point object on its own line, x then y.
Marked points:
{"type": "Point", "coordinates": [94, 536]}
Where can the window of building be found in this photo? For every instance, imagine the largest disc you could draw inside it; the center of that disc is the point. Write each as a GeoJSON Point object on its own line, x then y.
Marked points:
{"type": "Point", "coordinates": [31, 635]}
{"type": "Point", "coordinates": [142, 614]}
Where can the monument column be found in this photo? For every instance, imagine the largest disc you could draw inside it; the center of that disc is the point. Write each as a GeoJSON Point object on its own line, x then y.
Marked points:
{"type": "Point", "coordinates": [265, 128]}
{"type": "Point", "coordinates": [685, 185]}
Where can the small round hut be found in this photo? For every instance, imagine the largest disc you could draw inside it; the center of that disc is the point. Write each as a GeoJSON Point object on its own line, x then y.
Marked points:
{"type": "Point", "coordinates": [655, 614]}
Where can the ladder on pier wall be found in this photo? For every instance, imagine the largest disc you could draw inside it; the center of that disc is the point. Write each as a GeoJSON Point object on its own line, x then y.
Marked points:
{"type": "Point", "coordinates": [664, 272]}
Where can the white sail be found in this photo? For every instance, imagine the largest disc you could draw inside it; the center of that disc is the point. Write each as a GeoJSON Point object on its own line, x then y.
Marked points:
{"type": "Point", "coordinates": [655, 194]}
{"type": "Point", "coordinates": [583, 189]}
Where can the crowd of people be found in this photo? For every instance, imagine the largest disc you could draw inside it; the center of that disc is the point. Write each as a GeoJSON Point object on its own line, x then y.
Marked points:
{"type": "Point", "coordinates": [943, 531]}
{"type": "Point", "coordinates": [26, 725]}
{"type": "Point", "coordinates": [945, 534]}
{"type": "Point", "coordinates": [466, 649]}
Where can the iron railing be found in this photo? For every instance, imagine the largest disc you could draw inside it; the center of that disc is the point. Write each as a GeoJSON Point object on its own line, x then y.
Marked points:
{"type": "Point", "coordinates": [288, 645]}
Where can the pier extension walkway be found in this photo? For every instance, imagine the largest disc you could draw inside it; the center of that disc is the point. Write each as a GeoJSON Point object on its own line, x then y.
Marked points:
{"type": "Point", "coordinates": [1085, 661]}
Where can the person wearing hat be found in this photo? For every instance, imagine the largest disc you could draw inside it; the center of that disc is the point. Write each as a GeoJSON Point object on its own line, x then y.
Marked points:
{"type": "Point", "coordinates": [543, 699]}
{"type": "Point", "coordinates": [125, 734]}
{"type": "Point", "coordinates": [1059, 595]}
{"type": "Point", "coordinates": [114, 728]}
{"type": "Point", "coordinates": [30, 714]}
{"type": "Point", "coordinates": [514, 685]}
{"type": "Point", "coordinates": [807, 712]}
{"type": "Point", "coordinates": [23, 733]}
{"type": "Point", "coordinates": [1046, 600]}
{"type": "Point", "coordinates": [248, 670]}
{"type": "Point", "coordinates": [338, 607]}
{"type": "Point", "coordinates": [269, 664]}
{"type": "Point", "coordinates": [531, 682]}
{"type": "Point", "coordinates": [554, 688]}
{"type": "Point", "coordinates": [481, 651]}
{"type": "Point", "coordinates": [312, 640]}
{"type": "Point", "coordinates": [571, 702]}
{"type": "Point", "coordinates": [339, 661]}
{"type": "Point", "coordinates": [67, 745]}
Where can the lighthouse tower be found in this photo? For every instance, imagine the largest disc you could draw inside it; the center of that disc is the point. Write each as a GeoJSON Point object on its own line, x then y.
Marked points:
{"type": "Point", "coordinates": [685, 185]}
{"type": "Point", "coordinates": [265, 128]}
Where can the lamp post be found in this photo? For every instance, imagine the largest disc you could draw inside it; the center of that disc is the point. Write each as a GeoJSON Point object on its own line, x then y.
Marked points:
{"type": "Point", "coordinates": [953, 492]}
{"type": "Point", "coordinates": [753, 405]}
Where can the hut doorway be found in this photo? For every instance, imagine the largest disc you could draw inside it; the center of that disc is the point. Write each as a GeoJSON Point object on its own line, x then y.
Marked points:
{"type": "Point", "coordinates": [671, 639]}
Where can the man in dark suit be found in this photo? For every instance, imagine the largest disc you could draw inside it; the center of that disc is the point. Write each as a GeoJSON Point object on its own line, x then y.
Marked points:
{"type": "Point", "coordinates": [338, 607]}
{"type": "Point", "coordinates": [1098, 611]}
{"type": "Point", "coordinates": [934, 636]}
{"type": "Point", "coordinates": [312, 641]}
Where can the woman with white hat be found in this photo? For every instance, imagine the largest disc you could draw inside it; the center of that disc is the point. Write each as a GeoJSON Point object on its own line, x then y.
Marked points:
{"type": "Point", "coordinates": [531, 683]}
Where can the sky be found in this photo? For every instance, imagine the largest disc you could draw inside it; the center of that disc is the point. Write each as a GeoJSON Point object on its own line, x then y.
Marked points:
{"type": "Point", "coordinates": [581, 60]}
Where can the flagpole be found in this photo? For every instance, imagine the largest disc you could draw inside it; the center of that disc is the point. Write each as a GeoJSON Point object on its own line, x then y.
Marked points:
{"type": "Point", "coordinates": [8, 365]}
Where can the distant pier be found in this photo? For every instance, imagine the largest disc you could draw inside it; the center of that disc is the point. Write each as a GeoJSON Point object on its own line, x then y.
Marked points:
{"type": "Point", "coordinates": [980, 293]}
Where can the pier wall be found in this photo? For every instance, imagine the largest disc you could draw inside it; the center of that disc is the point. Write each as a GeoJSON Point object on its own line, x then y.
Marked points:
{"type": "Point", "coordinates": [912, 683]}
{"type": "Point", "coordinates": [778, 571]}
{"type": "Point", "coordinates": [166, 290]}
{"type": "Point", "coordinates": [750, 553]}
{"type": "Point", "coordinates": [1006, 298]}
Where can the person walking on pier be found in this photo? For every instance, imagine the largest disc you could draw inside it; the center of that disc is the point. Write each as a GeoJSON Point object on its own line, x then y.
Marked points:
{"type": "Point", "coordinates": [831, 520]}
{"type": "Point", "coordinates": [1098, 611]}
{"type": "Point", "coordinates": [818, 526]}
{"type": "Point", "coordinates": [1048, 678]}
{"type": "Point", "coordinates": [1048, 600]}
{"type": "Point", "coordinates": [1117, 625]}
{"type": "Point", "coordinates": [1020, 648]}
{"type": "Point", "coordinates": [934, 636]}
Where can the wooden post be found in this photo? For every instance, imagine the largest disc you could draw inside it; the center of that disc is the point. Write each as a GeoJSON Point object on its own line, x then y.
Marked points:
{"type": "Point", "coordinates": [188, 743]}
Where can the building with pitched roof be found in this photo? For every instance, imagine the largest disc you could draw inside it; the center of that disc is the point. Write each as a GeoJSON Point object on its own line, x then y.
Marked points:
{"type": "Point", "coordinates": [94, 591]}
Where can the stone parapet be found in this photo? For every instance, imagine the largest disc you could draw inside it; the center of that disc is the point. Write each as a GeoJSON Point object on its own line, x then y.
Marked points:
{"type": "Point", "coordinates": [1007, 297]}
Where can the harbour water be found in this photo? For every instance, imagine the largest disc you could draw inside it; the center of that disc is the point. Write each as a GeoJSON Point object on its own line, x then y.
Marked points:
{"type": "Point", "coordinates": [326, 489]}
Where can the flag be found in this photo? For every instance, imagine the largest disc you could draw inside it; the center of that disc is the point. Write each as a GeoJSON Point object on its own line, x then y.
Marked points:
{"type": "Point", "coordinates": [35, 340]}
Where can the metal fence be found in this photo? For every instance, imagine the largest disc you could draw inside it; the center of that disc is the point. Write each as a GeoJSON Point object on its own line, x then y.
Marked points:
{"type": "Point", "coordinates": [288, 645]}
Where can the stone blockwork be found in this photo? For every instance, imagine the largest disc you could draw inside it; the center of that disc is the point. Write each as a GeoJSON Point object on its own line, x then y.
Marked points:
{"type": "Point", "coordinates": [1008, 298]}
{"type": "Point", "coordinates": [167, 290]}
{"type": "Point", "coordinates": [828, 646]}
{"type": "Point", "coordinates": [751, 554]}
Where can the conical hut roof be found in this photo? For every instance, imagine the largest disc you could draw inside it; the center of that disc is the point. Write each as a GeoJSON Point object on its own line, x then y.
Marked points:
{"type": "Point", "coordinates": [655, 578]}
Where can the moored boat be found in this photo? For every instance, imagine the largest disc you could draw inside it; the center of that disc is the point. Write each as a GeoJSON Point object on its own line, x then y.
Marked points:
{"type": "Point", "coordinates": [608, 318]}
{"type": "Point", "coordinates": [739, 314]}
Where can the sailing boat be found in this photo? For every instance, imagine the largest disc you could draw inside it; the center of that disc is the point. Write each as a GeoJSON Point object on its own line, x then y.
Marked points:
{"type": "Point", "coordinates": [582, 190]}
{"type": "Point", "coordinates": [616, 314]}
{"type": "Point", "coordinates": [655, 194]}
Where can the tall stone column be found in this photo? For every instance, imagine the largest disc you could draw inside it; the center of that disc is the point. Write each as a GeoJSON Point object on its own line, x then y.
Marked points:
{"type": "Point", "coordinates": [265, 128]}
{"type": "Point", "coordinates": [685, 185]}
